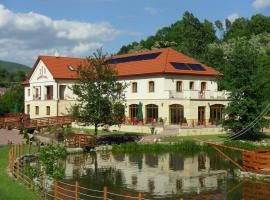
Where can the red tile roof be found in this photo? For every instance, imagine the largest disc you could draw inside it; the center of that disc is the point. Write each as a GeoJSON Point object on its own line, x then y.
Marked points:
{"type": "Point", "coordinates": [58, 66]}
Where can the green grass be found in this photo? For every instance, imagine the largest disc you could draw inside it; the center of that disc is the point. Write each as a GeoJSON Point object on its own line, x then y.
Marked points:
{"type": "Point", "coordinates": [9, 189]}
{"type": "Point", "coordinates": [105, 133]}
{"type": "Point", "coordinates": [214, 138]}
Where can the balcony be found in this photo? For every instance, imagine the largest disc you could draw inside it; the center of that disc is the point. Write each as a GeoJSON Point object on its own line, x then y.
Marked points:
{"type": "Point", "coordinates": [48, 97]}
{"type": "Point", "coordinates": [36, 97]}
{"type": "Point", "coordinates": [197, 94]}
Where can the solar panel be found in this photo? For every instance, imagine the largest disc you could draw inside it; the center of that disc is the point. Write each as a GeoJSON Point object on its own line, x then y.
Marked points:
{"type": "Point", "coordinates": [196, 67]}
{"type": "Point", "coordinates": [180, 66]}
{"type": "Point", "coordinates": [133, 58]}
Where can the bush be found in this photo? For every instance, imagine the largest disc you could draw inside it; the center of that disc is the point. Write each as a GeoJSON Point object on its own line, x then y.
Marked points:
{"type": "Point", "coordinates": [49, 156]}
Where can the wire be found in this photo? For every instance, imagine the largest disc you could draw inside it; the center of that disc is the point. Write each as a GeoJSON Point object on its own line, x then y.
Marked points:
{"type": "Point", "coordinates": [252, 124]}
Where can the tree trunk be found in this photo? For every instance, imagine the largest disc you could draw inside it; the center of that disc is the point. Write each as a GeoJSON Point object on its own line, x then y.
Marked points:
{"type": "Point", "coordinates": [96, 129]}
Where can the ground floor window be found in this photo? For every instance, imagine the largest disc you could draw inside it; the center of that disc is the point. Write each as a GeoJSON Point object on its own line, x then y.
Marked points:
{"type": "Point", "coordinates": [216, 113]}
{"type": "Point", "coordinates": [133, 111]}
{"type": "Point", "coordinates": [176, 114]}
{"type": "Point", "coordinates": [48, 110]}
{"type": "Point", "coordinates": [37, 110]}
{"type": "Point", "coordinates": [28, 109]}
{"type": "Point", "coordinates": [151, 113]}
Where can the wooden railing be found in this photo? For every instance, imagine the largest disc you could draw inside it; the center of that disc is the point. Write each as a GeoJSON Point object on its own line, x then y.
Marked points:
{"type": "Point", "coordinates": [189, 123]}
{"type": "Point", "coordinates": [257, 161]}
{"type": "Point", "coordinates": [58, 190]}
{"type": "Point", "coordinates": [80, 140]}
{"type": "Point", "coordinates": [37, 122]}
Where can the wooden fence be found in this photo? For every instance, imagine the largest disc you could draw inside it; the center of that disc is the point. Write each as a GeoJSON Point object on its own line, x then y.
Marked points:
{"type": "Point", "coordinates": [257, 161]}
{"type": "Point", "coordinates": [80, 140]}
{"type": "Point", "coordinates": [35, 123]}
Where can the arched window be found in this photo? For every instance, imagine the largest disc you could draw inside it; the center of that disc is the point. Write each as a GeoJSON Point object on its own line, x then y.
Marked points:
{"type": "Point", "coordinates": [216, 113]}
{"type": "Point", "coordinates": [176, 114]}
{"type": "Point", "coordinates": [133, 111]}
{"type": "Point", "coordinates": [151, 113]}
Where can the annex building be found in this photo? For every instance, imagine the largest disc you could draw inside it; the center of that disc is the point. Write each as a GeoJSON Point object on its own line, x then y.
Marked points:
{"type": "Point", "coordinates": [172, 87]}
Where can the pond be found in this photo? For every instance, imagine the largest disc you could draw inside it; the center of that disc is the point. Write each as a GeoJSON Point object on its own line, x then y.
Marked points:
{"type": "Point", "coordinates": [160, 176]}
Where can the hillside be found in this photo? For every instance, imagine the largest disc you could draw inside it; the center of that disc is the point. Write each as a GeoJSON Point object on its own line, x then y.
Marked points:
{"type": "Point", "coordinates": [13, 67]}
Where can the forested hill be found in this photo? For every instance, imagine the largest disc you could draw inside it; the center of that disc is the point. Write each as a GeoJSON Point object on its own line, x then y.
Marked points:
{"type": "Point", "coordinates": [13, 67]}
{"type": "Point", "coordinates": [198, 38]}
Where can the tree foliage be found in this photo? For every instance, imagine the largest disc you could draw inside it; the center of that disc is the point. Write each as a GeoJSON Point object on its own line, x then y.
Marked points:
{"type": "Point", "coordinates": [100, 96]}
{"type": "Point", "coordinates": [50, 158]}
{"type": "Point", "coordinates": [12, 101]}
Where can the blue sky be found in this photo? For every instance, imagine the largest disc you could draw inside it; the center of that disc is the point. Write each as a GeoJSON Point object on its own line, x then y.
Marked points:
{"type": "Point", "coordinates": [77, 27]}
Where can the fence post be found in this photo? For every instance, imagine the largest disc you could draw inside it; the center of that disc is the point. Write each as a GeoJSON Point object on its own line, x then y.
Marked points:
{"type": "Point", "coordinates": [140, 196]}
{"type": "Point", "coordinates": [15, 150]}
{"type": "Point", "coordinates": [19, 150]}
{"type": "Point", "coordinates": [18, 169]}
{"type": "Point", "coordinates": [12, 162]}
{"type": "Point", "coordinates": [55, 191]}
{"type": "Point", "coordinates": [77, 190]}
{"type": "Point", "coordinates": [22, 149]}
{"type": "Point", "coordinates": [24, 172]}
{"type": "Point", "coordinates": [105, 193]}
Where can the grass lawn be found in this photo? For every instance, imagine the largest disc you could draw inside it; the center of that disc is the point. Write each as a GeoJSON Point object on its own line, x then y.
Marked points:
{"type": "Point", "coordinates": [214, 138]}
{"type": "Point", "coordinates": [104, 133]}
{"type": "Point", "coordinates": [9, 189]}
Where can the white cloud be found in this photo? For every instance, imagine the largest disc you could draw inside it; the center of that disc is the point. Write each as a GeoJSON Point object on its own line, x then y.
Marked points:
{"type": "Point", "coordinates": [232, 17]}
{"type": "Point", "coordinates": [151, 10]}
{"type": "Point", "coordinates": [260, 4]}
{"type": "Point", "coordinates": [23, 36]}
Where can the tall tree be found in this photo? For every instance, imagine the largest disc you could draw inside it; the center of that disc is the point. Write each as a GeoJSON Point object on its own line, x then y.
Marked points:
{"type": "Point", "coordinates": [247, 99]}
{"type": "Point", "coordinates": [100, 95]}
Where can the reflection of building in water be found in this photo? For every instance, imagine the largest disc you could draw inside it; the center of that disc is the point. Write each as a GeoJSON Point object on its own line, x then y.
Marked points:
{"type": "Point", "coordinates": [162, 174]}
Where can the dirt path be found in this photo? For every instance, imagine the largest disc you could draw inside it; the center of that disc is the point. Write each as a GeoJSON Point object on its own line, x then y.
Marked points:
{"type": "Point", "coordinates": [10, 135]}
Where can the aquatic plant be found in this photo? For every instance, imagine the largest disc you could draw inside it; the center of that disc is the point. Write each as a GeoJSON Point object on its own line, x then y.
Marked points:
{"type": "Point", "coordinates": [184, 147]}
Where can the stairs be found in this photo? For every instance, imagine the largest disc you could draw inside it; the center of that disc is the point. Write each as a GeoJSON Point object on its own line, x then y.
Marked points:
{"type": "Point", "coordinates": [169, 130]}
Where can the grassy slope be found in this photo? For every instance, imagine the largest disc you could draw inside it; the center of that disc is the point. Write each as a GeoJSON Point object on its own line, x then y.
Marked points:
{"type": "Point", "coordinates": [12, 66]}
{"type": "Point", "coordinates": [9, 189]}
{"type": "Point", "coordinates": [196, 137]}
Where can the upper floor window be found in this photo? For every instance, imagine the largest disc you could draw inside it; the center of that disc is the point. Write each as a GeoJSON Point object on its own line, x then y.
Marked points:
{"type": "Point", "coordinates": [28, 91]}
{"type": "Point", "coordinates": [62, 92]}
{"type": "Point", "coordinates": [134, 87]}
{"type": "Point", "coordinates": [151, 86]}
{"type": "Point", "coordinates": [179, 86]}
{"type": "Point", "coordinates": [191, 85]}
{"type": "Point", "coordinates": [203, 86]}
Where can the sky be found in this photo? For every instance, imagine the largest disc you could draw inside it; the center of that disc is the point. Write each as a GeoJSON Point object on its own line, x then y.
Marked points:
{"type": "Point", "coordinates": [29, 28]}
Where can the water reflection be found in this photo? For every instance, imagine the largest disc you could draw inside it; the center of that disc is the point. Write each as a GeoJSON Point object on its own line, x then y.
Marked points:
{"type": "Point", "coordinates": [156, 175]}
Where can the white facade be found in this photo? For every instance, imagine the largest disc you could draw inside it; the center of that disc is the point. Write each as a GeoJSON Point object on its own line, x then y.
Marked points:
{"type": "Point", "coordinates": [46, 96]}
{"type": "Point", "coordinates": [43, 102]}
